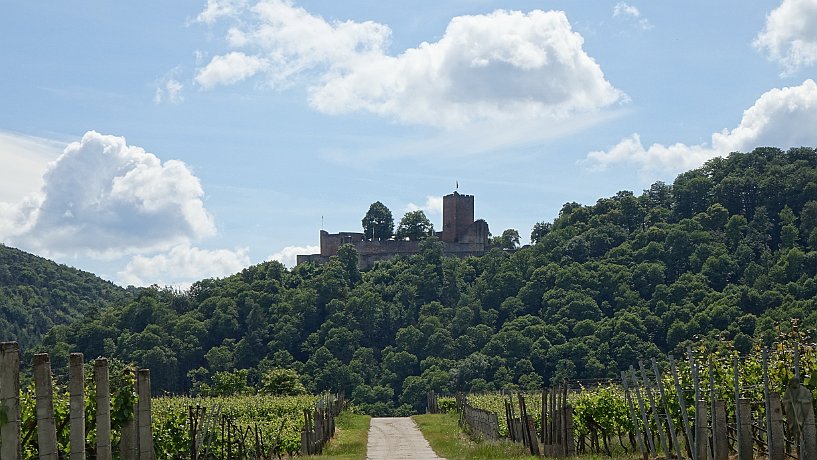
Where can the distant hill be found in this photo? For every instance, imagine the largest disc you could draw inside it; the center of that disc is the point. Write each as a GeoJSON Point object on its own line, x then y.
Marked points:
{"type": "Point", "coordinates": [726, 253]}
{"type": "Point", "coordinates": [36, 294]}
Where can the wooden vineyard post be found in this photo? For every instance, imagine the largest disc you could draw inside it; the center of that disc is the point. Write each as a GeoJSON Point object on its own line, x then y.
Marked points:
{"type": "Point", "coordinates": [10, 400]}
{"type": "Point", "coordinates": [570, 446]}
{"type": "Point", "coordinates": [682, 404]}
{"type": "Point", "coordinates": [648, 389]}
{"type": "Point", "coordinates": [721, 442]}
{"type": "Point", "coordinates": [76, 388]}
{"type": "Point", "coordinates": [46, 430]}
{"type": "Point", "coordinates": [103, 410]}
{"type": "Point", "coordinates": [766, 400]}
{"type": "Point", "coordinates": [701, 439]}
{"type": "Point", "coordinates": [745, 447]}
{"type": "Point", "coordinates": [647, 430]}
{"type": "Point", "coordinates": [143, 420]}
{"type": "Point", "coordinates": [633, 417]}
{"type": "Point", "coordinates": [670, 423]}
{"type": "Point", "coordinates": [778, 448]}
{"type": "Point", "coordinates": [738, 408]}
{"type": "Point", "coordinates": [809, 435]}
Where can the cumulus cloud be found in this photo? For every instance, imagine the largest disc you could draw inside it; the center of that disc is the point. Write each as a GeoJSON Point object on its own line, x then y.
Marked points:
{"type": "Point", "coordinates": [629, 12]}
{"type": "Point", "coordinates": [781, 117]}
{"type": "Point", "coordinates": [288, 255]}
{"type": "Point", "coordinates": [502, 66]}
{"type": "Point", "coordinates": [104, 198]}
{"type": "Point", "coordinates": [790, 35]}
{"type": "Point", "coordinates": [181, 264]}
{"type": "Point", "coordinates": [217, 9]}
{"type": "Point", "coordinates": [228, 69]}
{"type": "Point", "coordinates": [433, 205]}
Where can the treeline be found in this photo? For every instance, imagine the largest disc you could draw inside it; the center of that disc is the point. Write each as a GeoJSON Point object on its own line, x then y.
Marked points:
{"type": "Point", "coordinates": [726, 252]}
{"type": "Point", "coordinates": [36, 294]}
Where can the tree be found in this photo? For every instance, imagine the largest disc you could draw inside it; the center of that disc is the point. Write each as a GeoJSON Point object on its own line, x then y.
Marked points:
{"type": "Point", "coordinates": [540, 230]}
{"type": "Point", "coordinates": [415, 226]}
{"type": "Point", "coordinates": [282, 382]}
{"type": "Point", "coordinates": [378, 223]}
{"type": "Point", "coordinates": [508, 240]}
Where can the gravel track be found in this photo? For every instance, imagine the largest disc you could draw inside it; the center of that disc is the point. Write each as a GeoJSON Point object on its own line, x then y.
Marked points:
{"type": "Point", "coordinates": [397, 438]}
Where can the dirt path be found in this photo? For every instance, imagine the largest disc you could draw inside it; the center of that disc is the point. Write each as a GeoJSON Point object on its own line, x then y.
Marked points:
{"type": "Point", "coordinates": [397, 438]}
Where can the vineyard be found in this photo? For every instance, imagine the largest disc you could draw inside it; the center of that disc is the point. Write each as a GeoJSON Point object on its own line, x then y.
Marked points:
{"type": "Point", "coordinates": [642, 410]}
{"type": "Point", "coordinates": [175, 427]}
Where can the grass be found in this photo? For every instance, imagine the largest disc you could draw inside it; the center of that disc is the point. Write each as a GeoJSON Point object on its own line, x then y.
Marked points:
{"type": "Point", "coordinates": [447, 439]}
{"type": "Point", "coordinates": [351, 435]}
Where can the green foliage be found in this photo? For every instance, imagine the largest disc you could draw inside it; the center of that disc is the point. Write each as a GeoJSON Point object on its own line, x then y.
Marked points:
{"type": "Point", "coordinates": [509, 239]}
{"type": "Point", "coordinates": [36, 294]}
{"type": "Point", "coordinates": [414, 226]}
{"type": "Point", "coordinates": [727, 252]}
{"type": "Point", "coordinates": [282, 382]}
{"type": "Point", "coordinates": [378, 223]}
{"type": "Point", "coordinates": [171, 424]}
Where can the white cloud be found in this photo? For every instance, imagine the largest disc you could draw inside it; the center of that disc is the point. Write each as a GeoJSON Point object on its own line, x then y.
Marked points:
{"type": "Point", "coordinates": [433, 205]}
{"type": "Point", "coordinates": [781, 117]}
{"type": "Point", "coordinates": [228, 69]}
{"type": "Point", "coordinates": [790, 35]}
{"type": "Point", "coordinates": [657, 158]}
{"type": "Point", "coordinates": [104, 198]}
{"type": "Point", "coordinates": [182, 264]}
{"type": "Point", "coordinates": [629, 12]}
{"type": "Point", "coordinates": [288, 255]}
{"type": "Point", "coordinates": [169, 89]}
{"type": "Point", "coordinates": [217, 9]}
{"type": "Point", "coordinates": [502, 66]}
{"type": "Point", "coordinates": [624, 9]}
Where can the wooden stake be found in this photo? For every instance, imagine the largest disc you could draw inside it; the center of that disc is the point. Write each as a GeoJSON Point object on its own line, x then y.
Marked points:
{"type": "Point", "coordinates": [46, 430]}
{"type": "Point", "coordinates": [76, 388]}
{"type": "Point", "coordinates": [10, 447]}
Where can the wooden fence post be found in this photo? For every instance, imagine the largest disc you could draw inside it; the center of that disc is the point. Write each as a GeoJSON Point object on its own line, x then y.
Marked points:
{"type": "Point", "coordinates": [10, 400]}
{"type": "Point", "coordinates": [46, 430]}
{"type": "Point", "coordinates": [701, 438]}
{"type": "Point", "coordinates": [721, 447]}
{"type": "Point", "coordinates": [682, 404]}
{"type": "Point", "coordinates": [745, 447]}
{"type": "Point", "coordinates": [103, 410]}
{"type": "Point", "coordinates": [145, 432]}
{"type": "Point", "coordinates": [570, 446]}
{"type": "Point", "coordinates": [809, 435]}
{"type": "Point", "coordinates": [76, 388]}
{"type": "Point", "coordinates": [778, 448]}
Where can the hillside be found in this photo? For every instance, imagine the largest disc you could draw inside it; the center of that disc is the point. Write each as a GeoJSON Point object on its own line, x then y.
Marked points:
{"type": "Point", "coordinates": [36, 294]}
{"type": "Point", "coordinates": [727, 252]}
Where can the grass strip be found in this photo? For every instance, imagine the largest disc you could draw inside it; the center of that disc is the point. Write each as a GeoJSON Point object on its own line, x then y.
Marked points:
{"type": "Point", "coordinates": [351, 436]}
{"type": "Point", "coordinates": [443, 433]}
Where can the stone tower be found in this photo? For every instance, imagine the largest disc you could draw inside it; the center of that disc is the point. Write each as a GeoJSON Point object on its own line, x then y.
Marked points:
{"type": "Point", "coordinates": [458, 216]}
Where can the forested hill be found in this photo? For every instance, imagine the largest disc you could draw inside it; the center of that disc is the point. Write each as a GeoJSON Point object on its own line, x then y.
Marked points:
{"type": "Point", "coordinates": [36, 294]}
{"type": "Point", "coordinates": [727, 251]}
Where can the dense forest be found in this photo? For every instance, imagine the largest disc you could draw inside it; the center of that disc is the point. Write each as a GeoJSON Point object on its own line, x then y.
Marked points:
{"type": "Point", "coordinates": [36, 294]}
{"type": "Point", "coordinates": [726, 252]}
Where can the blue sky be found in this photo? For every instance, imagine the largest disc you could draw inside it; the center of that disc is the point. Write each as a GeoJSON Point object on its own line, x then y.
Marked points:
{"type": "Point", "coordinates": [164, 142]}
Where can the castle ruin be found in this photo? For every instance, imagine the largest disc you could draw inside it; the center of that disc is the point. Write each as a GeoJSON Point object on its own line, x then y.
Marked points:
{"type": "Point", "coordinates": [461, 234]}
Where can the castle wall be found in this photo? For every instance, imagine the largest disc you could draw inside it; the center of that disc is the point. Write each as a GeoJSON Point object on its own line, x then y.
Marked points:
{"type": "Point", "coordinates": [330, 242]}
{"type": "Point", "coordinates": [462, 236]}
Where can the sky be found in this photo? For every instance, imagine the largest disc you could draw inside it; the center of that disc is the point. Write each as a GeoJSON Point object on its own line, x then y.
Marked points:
{"type": "Point", "coordinates": [160, 142]}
